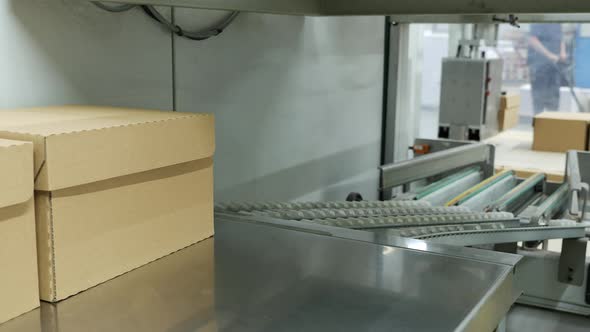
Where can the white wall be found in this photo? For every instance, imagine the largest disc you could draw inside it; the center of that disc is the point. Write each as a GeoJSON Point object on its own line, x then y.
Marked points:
{"type": "Point", "coordinates": [297, 100]}
{"type": "Point", "coordinates": [436, 47]}
{"type": "Point", "coordinates": [59, 51]}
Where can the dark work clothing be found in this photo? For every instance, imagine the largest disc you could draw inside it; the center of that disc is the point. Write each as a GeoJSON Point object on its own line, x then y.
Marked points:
{"type": "Point", "coordinates": [545, 83]}
{"type": "Point", "coordinates": [544, 74]}
{"type": "Point", "coordinates": [550, 36]}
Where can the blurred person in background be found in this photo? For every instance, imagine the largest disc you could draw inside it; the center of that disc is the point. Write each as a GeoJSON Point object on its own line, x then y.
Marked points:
{"type": "Point", "coordinates": [545, 51]}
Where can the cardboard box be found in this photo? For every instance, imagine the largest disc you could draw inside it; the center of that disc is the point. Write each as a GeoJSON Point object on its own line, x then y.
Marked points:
{"type": "Point", "coordinates": [115, 189]}
{"type": "Point", "coordinates": [509, 101]}
{"type": "Point", "coordinates": [560, 131]}
{"type": "Point", "coordinates": [19, 284]}
{"type": "Point", "coordinates": [508, 118]}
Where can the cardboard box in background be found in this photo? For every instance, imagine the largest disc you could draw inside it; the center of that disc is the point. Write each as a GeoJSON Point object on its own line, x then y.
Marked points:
{"type": "Point", "coordinates": [115, 189]}
{"type": "Point", "coordinates": [508, 118]}
{"type": "Point", "coordinates": [509, 101]}
{"type": "Point", "coordinates": [560, 131]}
{"type": "Point", "coordinates": [19, 285]}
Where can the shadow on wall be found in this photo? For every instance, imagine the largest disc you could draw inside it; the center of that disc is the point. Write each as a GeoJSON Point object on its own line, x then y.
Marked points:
{"type": "Point", "coordinates": [65, 51]}
{"type": "Point", "coordinates": [324, 175]}
{"type": "Point", "coordinates": [297, 102]}
{"type": "Point", "coordinates": [252, 52]}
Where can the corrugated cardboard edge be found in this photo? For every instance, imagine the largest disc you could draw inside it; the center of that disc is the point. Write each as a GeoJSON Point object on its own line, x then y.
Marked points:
{"type": "Point", "coordinates": [177, 116]}
{"type": "Point", "coordinates": [45, 247]}
{"type": "Point", "coordinates": [16, 178]}
{"type": "Point", "coordinates": [38, 147]}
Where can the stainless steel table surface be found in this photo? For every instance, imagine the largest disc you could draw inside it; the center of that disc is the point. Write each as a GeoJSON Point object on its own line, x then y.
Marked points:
{"type": "Point", "coordinates": [259, 278]}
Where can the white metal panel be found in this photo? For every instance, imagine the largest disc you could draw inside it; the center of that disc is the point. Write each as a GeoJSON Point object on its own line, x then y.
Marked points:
{"type": "Point", "coordinates": [297, 102]}
{"type": "Point", "coordinates": [64, 51]}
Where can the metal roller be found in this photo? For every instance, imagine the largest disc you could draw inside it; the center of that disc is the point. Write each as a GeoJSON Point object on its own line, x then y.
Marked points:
{"type": "Point", "coordinates": [520, 195]}
{"type": "Point", "coordinates": [492, 188]}
{"type": "Point", "coordinates": [438, 193]}
{"type": "Point", "coordinates": [548, 209]}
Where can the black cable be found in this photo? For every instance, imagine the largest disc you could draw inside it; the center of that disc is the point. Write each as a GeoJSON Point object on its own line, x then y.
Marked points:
{"type": "Point", "coordinates": [113, 8]}
{"type": "Point", "coordinates": [215, 30]}
{"type": "Point", "coordinates": [155, 15]}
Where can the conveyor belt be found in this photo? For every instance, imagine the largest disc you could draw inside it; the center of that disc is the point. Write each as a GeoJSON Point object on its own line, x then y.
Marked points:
{"type": "Point", "coordinates": [473, 191]}
{"type": "Point", "coordinates": [356, 213]}
{"type": "Point", "coordinates": [480, 200]}
{"type": "Point", "coordinates": [441, 195]}
{"type": "Point", "coordinates": [263, 206]}
{"type": "Point", "coordinates": [438, 192]}
{"type": "Point", "coordinates": [507, 219]}
{"type": "Point", "coordinates": [556, 230]}
{"type": "Point", "coordinates": [438, 185]}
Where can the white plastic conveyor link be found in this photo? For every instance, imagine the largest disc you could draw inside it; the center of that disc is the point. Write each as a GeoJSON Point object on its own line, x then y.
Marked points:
{"type": "Point", "coordinates": [419, 220]}
{"type": "Point", "coordinates": [357, 213]}
{"type": "Point", "coordinates": [264, 206]}
{"type": "Point", "coordinates": [429, 231]}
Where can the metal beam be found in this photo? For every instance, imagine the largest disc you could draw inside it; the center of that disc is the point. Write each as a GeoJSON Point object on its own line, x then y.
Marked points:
{"type": "Point", "coordinates": [437, 163]}
{"type": "Point", "coordinates": [489, 18]}
{"type": "Point", "coordinates": [578, 189]}
{"type": "Point", "coordinates": [286, 7]}
{"type": "Point", "coordinates": [467, 10]}
{"type": "Point", "coordinates": [391, 66]}
{"type": "Point", "coordinates": [381, 7]}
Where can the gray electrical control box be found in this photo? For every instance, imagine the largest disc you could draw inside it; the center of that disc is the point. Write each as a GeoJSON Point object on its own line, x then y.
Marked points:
{"type": "Point", "coordinates": [470, 98]}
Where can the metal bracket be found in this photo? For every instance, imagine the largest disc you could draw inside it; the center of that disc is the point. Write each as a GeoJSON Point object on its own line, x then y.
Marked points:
{"type": "Point", "coordinates": [511, 19]}
{"type": "Point", "coordinates": [572, 262]}
{"type": "Point", "coordinates": [578, 188]}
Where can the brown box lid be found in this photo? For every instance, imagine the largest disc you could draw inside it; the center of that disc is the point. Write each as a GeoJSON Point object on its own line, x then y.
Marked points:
{"type": "Point", "coordinates": [76, 145]}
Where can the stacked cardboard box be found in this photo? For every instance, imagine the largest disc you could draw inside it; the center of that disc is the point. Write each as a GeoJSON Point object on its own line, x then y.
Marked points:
{"type": "Point", "coordinates": [114, 189]}
{"type": "Point", "coordinates": [509, 111]}
{"type": "Point", "coordinates": [18, 254]}
{"type": "Point", "coordinates": [561, 131]}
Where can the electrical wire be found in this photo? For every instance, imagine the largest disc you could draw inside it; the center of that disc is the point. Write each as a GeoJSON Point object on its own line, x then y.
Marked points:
{"type": "Point", "coordinates": [113, 8]}
{"type": "Point", "coordinates": [154, 14]}
{"type": "Point", "coordinates": [193, 35]}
